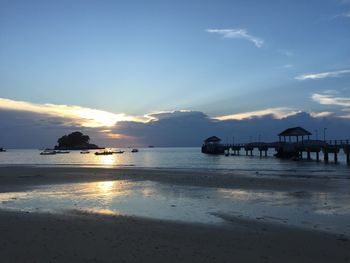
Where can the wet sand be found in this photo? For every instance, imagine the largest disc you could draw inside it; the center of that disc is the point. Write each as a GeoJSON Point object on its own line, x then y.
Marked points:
{"type": "Point", "coordinates": [22, 177]}
{"type": "Point", "coordinates": [27, 237]}
{"type": "Point", "coordinates": [82, 237]}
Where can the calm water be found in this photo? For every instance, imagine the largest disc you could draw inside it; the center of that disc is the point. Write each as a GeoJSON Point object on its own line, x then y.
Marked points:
{"type": "Point", "coordinates": [312, 210]}
{"type": "Point", "coordinates": [327, 211]}
{"type": "Point", "coordinates": [187, 158]}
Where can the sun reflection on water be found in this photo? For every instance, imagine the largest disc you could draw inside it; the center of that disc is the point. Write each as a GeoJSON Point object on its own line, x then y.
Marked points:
{"type": "Point", "coordinates": [108, 160]}
{"type": "Point", "coordinates": [105, 187]}
{"type": "Point", "coordinates": [108, 190]}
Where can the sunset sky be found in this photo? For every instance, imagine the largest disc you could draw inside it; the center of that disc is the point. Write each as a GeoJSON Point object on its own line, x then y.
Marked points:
{"type": "Point", "coordinates": [114, 67]}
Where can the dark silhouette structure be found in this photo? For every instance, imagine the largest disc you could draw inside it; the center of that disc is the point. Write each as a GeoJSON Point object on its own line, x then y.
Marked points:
{"type": "Point", "coordinates": [293, 148]}
{"type": "Point", "coordinates": [75, 141]}
{"type": "Point", "coordinates": [294, 132]}
{"type": "Point", "coordinates": [290, 149]}
{"type": "Point", "coordinates": [212, 145]}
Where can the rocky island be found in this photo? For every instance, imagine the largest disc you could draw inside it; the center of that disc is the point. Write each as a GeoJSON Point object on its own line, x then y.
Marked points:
{"type": "Point", "coordinates": [75, 141]}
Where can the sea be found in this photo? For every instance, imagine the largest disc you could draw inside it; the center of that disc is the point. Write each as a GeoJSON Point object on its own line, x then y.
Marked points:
{"type": "Point", "coordinates": [314, 210]}
{"type": "Point", "coordinates": [177, 158]}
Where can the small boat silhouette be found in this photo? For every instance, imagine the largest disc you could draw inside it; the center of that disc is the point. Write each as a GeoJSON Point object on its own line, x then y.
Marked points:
{"type": "Point", "coordinates": [104, 153]}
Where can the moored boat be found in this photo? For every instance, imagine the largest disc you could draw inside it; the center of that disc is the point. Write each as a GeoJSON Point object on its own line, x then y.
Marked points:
{"type": "Point", "coordinates": [134, 150]}
{"type": "Point", "coordinates": [84, 152]}
{"type": "Point", "coordinates": [48, 152]}
{"type": "Point", "coordinates": [104, 153]}
{"type": "Point", "coordinates": [118, 152]}
{"type": "Point", "coordinates": [61, 152]}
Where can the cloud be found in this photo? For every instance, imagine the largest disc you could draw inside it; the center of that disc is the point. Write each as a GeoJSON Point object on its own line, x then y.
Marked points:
{"type": "Point", "coordinates": [329, 99]}
{"type": "Point", "coordinates": [157, 115]}
{"type": "Point", "coordinates": [190, 129]}
{"type": "Point", "coordinates": [337, 16]}
{"type": "Point", "coordinates": [118, 136]}
{"type": "Point", "coordinates": [24, 129]}
{"type": "Point", "coordinates": [321, 114]}
{"type": "Point", "coordinates": [347, 115]}
{"type": "Point", "coordinates": [238, 33]}
{"type": "Point", "coordinates": [85, 117]}
{"type": "Point", "coordinates": [21, 129]}
{"type": "Point", "coordinates": [330, 91]}
{"type": "Point", "coordinates": [277, 113]}
{"type": "Point", "coordinates": [347, 15]}
{"type": "Point", "coordinates": [332, 99]}
{"type": "Point", "coordinates": [329, 74]}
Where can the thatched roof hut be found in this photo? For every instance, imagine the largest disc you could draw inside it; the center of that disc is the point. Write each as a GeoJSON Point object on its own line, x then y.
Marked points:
{"type": "Point", "coordinates": [212, 145]}
{"type": "Point", "coordinates": [212, 139]}
{"type": "Point", "coordinates": [294, 132]}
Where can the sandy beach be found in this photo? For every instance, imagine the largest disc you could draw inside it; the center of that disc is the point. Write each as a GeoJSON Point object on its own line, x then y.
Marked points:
{"type": "Point", "coordinates": [78, 236]}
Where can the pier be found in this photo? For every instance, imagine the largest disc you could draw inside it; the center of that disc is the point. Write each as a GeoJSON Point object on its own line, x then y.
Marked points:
{"type": "Point", "coordinates": [294, 143]}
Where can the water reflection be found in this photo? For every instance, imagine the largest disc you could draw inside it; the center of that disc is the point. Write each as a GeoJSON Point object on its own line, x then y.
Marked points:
{"type": "Point", "coordinates": [107, 160]}
{"type": "Point", "coordinates": [179, 158]}
{"type": "Point", "coordinates": [105, 188]}
{"type": "Point", "coordinates": [249, 195]}
{"type": "Point", "coordinates": [329, 211]}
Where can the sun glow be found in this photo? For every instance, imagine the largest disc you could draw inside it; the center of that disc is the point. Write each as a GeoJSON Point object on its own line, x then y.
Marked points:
{"type": "Point", "coordinates": [81, 116]}
{"type": "Point", "coordinates": [76, 115]}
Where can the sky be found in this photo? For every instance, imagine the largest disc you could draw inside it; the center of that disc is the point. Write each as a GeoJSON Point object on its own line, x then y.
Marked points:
{"type": "Point", "coordinates": [126, 71]}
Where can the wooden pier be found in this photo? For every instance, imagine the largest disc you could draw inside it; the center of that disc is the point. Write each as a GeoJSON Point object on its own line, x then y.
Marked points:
{"type": "Point", "coordinates": [296, 150]}
{"type": "Point", "coordinates": [284, 148]}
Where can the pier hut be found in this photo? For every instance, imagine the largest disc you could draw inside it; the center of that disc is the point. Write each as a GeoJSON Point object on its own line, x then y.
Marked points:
{"type": "Point", "coordinates": [295, 132]}
{"type": "Point", "coordinates": [293, 142]}
{"type": "Point", "coordinates": [293, 147]}
{"type": "Point", "coordinates": [212, 145]}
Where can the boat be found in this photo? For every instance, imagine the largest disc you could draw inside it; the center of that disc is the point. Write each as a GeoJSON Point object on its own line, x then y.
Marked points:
{"type": "Point", "coordinates": [61, 152]}
{"type": "Point", "coordinates": [118, 152]}
{"type": "Point", "coordinates": [104, 153]}
{"type": "Point", "coordinates": [84, 152]}
{"type": "Point", "coordinates": [2, 149]}
{"type": "Point", "coordinates": [48, 152]}
{"type": "Point", "coordinates": [134, 150]}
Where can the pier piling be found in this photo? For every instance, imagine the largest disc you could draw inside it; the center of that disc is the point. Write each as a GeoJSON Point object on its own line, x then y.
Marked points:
{"type": "Point", "coordinates": [308, 155]}
{"type": "Point", "coordinates": [326, 156]}
{"type": "Point", "coordinates": [291, 150]}
{"type": "Point", "coordinates": [346, 149]}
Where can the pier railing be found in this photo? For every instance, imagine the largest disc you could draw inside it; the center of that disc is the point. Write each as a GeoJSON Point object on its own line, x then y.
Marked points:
{"type": "Point", "coordinates": [338, 142]}
{"type": "Point", "coordinates": [296, 148]}
{"type": "Point", "coordinates": [321, 143]}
